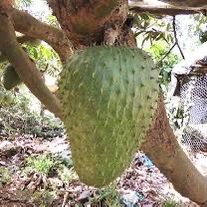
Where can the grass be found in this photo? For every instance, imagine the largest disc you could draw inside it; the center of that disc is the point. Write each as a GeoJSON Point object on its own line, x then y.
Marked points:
{"type": "Point", "coordinates": [170, 203]}
{"type": "Point", "coordinates": [5, 176]}
{"type": "Point", "coordinates": [67, 174]}
{"type": "Point", "coordinates": [108, 197]}
{"type": "Point", "coordinates": [42, 164]}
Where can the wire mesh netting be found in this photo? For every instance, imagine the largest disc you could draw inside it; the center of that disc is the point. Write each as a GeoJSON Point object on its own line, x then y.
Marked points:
{"type": "Point", "coordinates": [194, 106]}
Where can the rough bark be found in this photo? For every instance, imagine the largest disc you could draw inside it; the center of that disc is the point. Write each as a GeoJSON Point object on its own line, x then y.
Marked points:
{"type": "Point", "coordinates": [7, 3]}
{"type": "Point", "coordinates": [28, 25]}
{"type": "Point", "coordinates": [23, 65]}
{"type": "Point", "coordinates": [84, 22]}
{"type": "Point", "coordinates": [30, 40]}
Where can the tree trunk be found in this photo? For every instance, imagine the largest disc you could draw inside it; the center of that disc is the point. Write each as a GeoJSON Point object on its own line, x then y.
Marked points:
{"type": "Point", "coordinates": [87, 24]}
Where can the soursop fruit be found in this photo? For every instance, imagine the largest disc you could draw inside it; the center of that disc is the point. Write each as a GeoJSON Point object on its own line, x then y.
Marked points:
{"type": "Point", "coordinates": [10, 78]}
{"type": "Point", "coordinates": [109, 96]}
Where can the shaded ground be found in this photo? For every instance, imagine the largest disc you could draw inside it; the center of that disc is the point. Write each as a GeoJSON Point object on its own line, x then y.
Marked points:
{"type": "Point", "coordinates": [37, 171]}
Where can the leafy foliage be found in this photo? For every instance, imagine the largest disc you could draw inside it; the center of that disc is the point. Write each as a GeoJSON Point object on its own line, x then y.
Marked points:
{"type": "Point", "coordinates": [155, 35]}
{"type": "Point", "coordinates": [45, 58]}
{"type": "Point", "coordinates": [149, 28]}
{"type": "Point", "coordinates": [67, 174]}
{"type": "Point", "coordinates": [52, 20]}
{"type": "Point", "coordinates": [165, 64]}
{"type": "Point", "coordinates": [201, 27]}
{"type": "Point", "coordinates": [23, 3]}
{"type": "Point", "coordinates": [200, 23]}
{"type": "Point", "coordinates": [15, 113]}
{"type": "Point", "coordinates": [170, 203]}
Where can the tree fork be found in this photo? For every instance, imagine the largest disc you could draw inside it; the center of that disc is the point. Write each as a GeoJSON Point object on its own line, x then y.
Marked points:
{"type": "Point", "coordinates": [31, 27]}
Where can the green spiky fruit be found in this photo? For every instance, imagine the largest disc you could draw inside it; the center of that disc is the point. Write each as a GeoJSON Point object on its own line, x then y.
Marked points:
{"type": "Point", "coordinates": [108, 96]}
{"type": "Point", "coordinates": [10, 77]}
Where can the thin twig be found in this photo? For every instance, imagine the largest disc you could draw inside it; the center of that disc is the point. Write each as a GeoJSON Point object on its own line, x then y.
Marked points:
{"type": "Point", "coordinates": [65, 199]}
{"type": "Point", "coordinates": [175, 43]}
{"type": "Point", "coordinates": [176, 39]}
{"type": "Point", "coordinates": [166, 54]}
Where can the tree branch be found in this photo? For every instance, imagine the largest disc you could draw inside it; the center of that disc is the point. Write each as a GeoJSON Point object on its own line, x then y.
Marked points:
{"type": "Point", "coordinates": [162, 147]}
{"type": "Point", "coordinates": [24, 67]}
{"type": "Point", "coordinates": [163, 10]}
{"type": "Point", "coordinates": [28, 25]}
{"type": "Point", "coordinates": [27, 39]}
{"type": "Point", "coordinates": [186, 3]}
{"type": "Point", "coordinates": [21, 40]}
{"type": "Point", "coordinates": [166, 54]}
